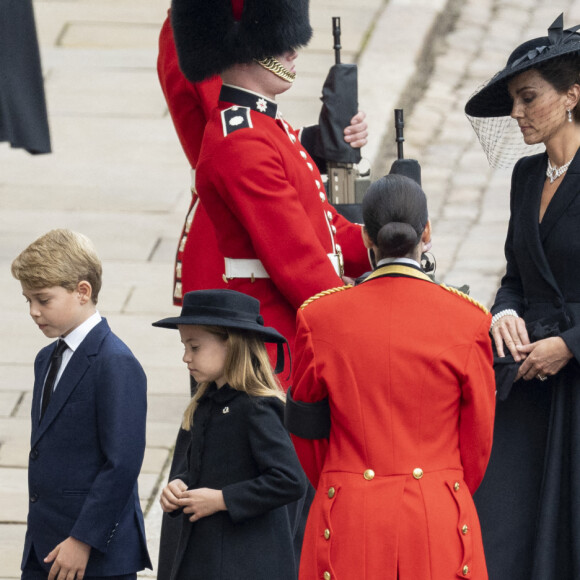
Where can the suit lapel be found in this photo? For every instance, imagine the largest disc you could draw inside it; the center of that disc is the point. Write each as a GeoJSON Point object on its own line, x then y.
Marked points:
{"type": "Point", "coordinates": [41, 369]}
{"type": "Point", "coordinates": [76, 368]}
{"type": "Point", "coordinates": [531, 197]}
{"type": "Point", "coordinates": [564, 196]}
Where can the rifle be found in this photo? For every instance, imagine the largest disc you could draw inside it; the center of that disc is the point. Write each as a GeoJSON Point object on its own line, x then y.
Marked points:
{"type": "Point", "coordinates": [346, 185]}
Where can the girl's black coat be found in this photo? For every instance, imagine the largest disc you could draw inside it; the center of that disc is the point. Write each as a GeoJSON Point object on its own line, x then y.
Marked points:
{"type": "Point", "coordinates": [239, 445]}
{"type": "Point", "coordinates": [529, 500]}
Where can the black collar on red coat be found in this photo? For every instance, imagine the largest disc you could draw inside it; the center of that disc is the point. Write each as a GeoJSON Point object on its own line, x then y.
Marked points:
{"type": "Point", "coordinates": [245, 98]}
{"type": "Point", "coordinates": [397, 269]}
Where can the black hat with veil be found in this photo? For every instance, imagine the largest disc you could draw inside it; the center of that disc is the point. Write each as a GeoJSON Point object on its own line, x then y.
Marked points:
{"type": "Point", "coordinates": [489, 108]}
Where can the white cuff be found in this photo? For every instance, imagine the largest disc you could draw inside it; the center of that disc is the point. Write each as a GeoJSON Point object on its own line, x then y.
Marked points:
{"type": "Point", "coordinates": [501, 314]}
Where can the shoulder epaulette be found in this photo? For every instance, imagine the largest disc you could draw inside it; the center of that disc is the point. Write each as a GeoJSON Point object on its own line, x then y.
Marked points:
{"type": "Point", "coordinates": [465, 296]}
{"type": "Point", "coordinates": [325, 293]}
{"type": "Point", "coordinates": [235, 118]}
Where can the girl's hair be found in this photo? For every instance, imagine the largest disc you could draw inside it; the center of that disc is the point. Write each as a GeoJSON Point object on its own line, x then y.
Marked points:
{"type": "Point", "coordinates": [561, 73]}
{"type": "Point", "coordinates": [247, 369]}
{"type": "Point", "coordinates": [395, 215]}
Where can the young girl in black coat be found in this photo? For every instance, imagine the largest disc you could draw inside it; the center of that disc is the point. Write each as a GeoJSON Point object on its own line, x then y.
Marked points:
{"type": "Point", "coordinates": [242, 468]}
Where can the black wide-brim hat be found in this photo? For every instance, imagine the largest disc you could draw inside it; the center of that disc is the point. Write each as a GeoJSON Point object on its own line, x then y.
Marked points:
{"type": "Point", "coordinates": [226, 308]}
{"type": "Point", "coordinates": [493, 100]}
{"type": "Point", "coordinates": [212, 35]}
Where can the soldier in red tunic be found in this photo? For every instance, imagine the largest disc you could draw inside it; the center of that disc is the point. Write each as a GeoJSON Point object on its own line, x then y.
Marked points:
{"type": "Point", "coordinates": [281, 238]}
{"type": "Point", "coordinates": [199, 264]}
{"type": "Point", "coordinates": [409, 395]}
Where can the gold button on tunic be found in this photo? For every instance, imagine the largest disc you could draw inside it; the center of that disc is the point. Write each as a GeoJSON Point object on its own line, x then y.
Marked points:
{"type": "Point", "coordinates": [331, 492]}
{"type": "Point", "coordinates": [417, 473]}
{"type": "Point", "coordinates": [369, 474]}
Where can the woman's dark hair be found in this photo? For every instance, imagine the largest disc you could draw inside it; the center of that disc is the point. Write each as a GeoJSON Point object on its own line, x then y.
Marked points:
{"type": "Point", "coordinates": [561, 72]}
{"type": "Point", "coordinates": [395, 215]}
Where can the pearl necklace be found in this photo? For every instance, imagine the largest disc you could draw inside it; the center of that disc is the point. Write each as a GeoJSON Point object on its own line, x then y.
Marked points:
{"type": "Point", "coordinates": [554, 172]}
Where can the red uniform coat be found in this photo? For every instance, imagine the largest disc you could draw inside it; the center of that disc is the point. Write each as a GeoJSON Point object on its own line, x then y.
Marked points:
{"type": "Point", "coordinates": [408, 375]}
{"type": "Point", "coordinates": [199, 264]}
{"type": "Point", "coordinates": [267, 201]}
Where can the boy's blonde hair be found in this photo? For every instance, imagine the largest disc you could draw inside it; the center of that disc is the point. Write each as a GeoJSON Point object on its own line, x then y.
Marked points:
{"type": "Point", "coordinates": [59, 258]}
{"type": "Point", "coordinates": [247, 368]}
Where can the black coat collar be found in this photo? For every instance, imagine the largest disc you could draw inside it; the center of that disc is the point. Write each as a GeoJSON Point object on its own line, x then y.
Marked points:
{"type": "Point", "coordinates": [531, 197]}
{"type": "Point", "coordinates": [220, 396]}
{"type": "Point", "coordinates": [245, 98]}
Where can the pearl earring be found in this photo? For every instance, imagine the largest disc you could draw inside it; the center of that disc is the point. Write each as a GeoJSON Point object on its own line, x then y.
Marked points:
{"type": "Point", "coordinates": [569, 115]}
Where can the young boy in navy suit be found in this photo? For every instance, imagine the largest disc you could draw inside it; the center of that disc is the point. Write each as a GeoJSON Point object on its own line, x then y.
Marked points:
{"type": "Point", "coordinates": [88, 423]}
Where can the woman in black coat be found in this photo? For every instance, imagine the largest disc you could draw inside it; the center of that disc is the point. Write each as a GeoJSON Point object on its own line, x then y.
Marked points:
{"type": "Point", "coordinates": [528, 501]}
{"type": "Point", "coordinates": [23, 117]}
{"type": "Point", "coordinates": [242, 471]}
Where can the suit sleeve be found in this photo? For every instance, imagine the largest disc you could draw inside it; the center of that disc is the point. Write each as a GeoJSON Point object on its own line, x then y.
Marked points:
{"type": "Point", "coordinates": [309, 389]}
{"type": "Point", "coordinates": [189, 104]}
{"type": "Point", "coordinates": [255, 188]}
{"type": "Point", "coordinates": [477, 408]}
{"type": "Point", "coordinates": [121, 408]}
{"type": "Point", "coordinates": [281, 480]}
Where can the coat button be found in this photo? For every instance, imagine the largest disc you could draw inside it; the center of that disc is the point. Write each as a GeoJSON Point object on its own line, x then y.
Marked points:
{"type": "Point", "coordinates": [369, 474]}
{"type": "Point", "coordinates": [456, 486]}
{"type": "Point", "coordinates": [34, 453]}
{"type": "Point", "coordinates": [327, 534]}
{"type": "Point", "coordinates": [331, 492]}
{"type": "Point", "coordinates": [465, 529]}
{"type": "Point", "coordinates": [417, 473]}
{"type": "Point", "coordinates": [33, 497]}
{"type": "Point", "coordinates": [327, 576]}
{"type": "Point", "coordinates": [465, 570]}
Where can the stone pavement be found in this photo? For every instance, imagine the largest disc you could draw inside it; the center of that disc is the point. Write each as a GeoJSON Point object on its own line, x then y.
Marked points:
{"type": "Point", "coordinates": [117, 174]}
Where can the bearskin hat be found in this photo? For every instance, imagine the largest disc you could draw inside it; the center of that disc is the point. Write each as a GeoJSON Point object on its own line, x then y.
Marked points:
{"type": "Point", "coordinates": [212, 35]}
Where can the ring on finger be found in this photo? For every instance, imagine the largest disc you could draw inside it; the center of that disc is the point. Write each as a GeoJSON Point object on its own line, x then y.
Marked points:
{"type": "Point", "coordinates": [541, 377]}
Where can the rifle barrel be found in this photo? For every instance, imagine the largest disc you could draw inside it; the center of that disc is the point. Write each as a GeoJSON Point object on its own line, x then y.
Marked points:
{"type": "Point", "coordinates": [399, 125]}
{"type": "Point", "coordinates": [336, 34]}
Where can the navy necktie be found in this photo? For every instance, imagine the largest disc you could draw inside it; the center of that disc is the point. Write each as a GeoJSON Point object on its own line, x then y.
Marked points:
{"type": "Point", "coordinates": [55, 361]}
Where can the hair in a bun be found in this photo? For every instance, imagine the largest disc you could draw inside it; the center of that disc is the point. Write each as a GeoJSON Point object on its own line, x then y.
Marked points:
{"type": "Point", "coordinates": [395, 215]}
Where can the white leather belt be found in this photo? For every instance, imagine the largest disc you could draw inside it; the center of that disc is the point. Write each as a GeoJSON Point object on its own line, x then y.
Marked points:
{"type": "Point", "coordinates": [253, 268]}
{"type": "Point", "coordinates": [245, 268]}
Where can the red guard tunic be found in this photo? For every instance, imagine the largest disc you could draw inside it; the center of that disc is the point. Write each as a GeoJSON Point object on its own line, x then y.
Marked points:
{"type": "Point", "coordinates": [408, 375]}
{"type": "Point", "coordinates": [266, 199]}
{"type": "Point", "coordinates": [199, 264]}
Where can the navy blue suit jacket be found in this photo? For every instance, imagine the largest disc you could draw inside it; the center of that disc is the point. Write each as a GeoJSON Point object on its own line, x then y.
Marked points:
{"type": "Point", "coordinates": [86, 455]}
